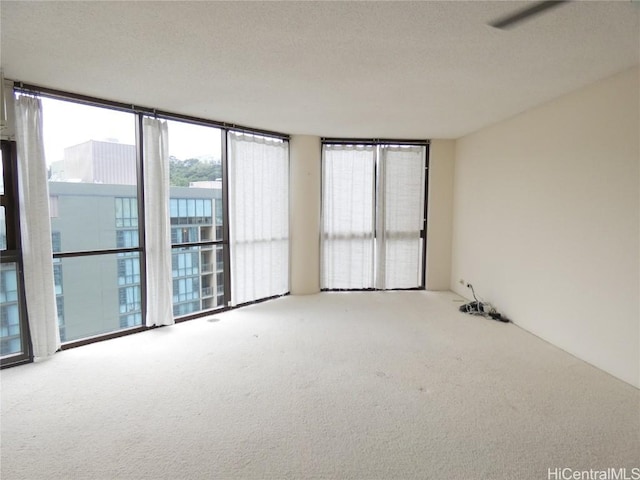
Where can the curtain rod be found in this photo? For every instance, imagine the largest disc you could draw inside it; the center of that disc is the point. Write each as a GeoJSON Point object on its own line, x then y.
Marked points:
{"type": "Point", "coordinates": [373, 141]}
{"type": "Point", "coordinates": [131, 108]}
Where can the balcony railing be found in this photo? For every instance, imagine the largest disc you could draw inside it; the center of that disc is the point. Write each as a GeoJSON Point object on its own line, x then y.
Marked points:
{"type": "Point", "coordinates": [207, 292]}
{"type": "Point", "coordinates": [207, 268]}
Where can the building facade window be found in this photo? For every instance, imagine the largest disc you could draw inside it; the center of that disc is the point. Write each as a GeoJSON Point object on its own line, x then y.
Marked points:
{"type": "Point", "coordinates": [57, 278]}
{"type": "Point", "coordinates": [128, 271]}
{"type": "Point", "coordinates": [60, 311]}
{"type": "Point", "coordinates": [128, 268]}
{"type": "Point", "coordinates": [10, 328]}
{"type": "Point", "coordinates": [130, 320]}
{"type": "Point", "coordinates": [126, 238]}
{"type": "Point", "coordinates": [185, 289]}
{"type": "Point", "coordinates": [9, 312]}
{"type": "Point", "coordinates": [129, 299]}
{"type": "Point", "coordinates": [186, 211]}
{"type": "Point", "coordinates": [8, 285]}
{"type": "Point", "coordinates": [185, 264]}
{"type": "Point", "coordinates": [219, 260]}
{"type": "Point", "coordinates": [184, 235]}
{"type": "Point", "coordinates": [56, 244]}
{"type": "Point", "coordinates": [182, 309]}
{"type": "Point", "coordinates": [126, 212]}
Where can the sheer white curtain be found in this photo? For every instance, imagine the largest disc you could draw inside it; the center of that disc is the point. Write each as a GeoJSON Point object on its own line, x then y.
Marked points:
{"type": "Point", "coordinates": [37, 256]}
{"type": "Point", "coordinates": [258, 217]}
{"type": "Point", "coordinates": [400, 216]}
{"type": "Point", "coordinates": [348, 196]}
{"type": "Point", "coordinates": [157, 230]}
{"type": "Point", "coordinates": [372, 216]}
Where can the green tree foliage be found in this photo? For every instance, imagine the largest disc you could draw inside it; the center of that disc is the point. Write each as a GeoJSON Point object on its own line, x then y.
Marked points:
{"type": "Point", "coordinates": [182, 172]}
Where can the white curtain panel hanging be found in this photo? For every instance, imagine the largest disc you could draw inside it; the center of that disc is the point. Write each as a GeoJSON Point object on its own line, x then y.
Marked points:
{"type": "Point", "coordinates": [157, 229]}
{"type": "Point", "coordinates": [400, 216]}
{"type": "Point", "coordinates": [348, 196]}
{"type": "Point", "coordinates": [258, 217]}
{"type": "Point", "coordinates": [37, 256]}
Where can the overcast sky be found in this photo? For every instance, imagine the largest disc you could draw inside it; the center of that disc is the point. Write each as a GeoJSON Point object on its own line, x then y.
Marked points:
{"type": "Point", "coordinates": [66, 124]}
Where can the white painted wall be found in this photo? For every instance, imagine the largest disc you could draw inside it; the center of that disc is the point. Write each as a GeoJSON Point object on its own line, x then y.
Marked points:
{"type": "Point", "coordinates": [547, 218]}
{"type": "Point", "coordinates": [304, 187]}
{"type": "Point", "coordinates": [439, 214]}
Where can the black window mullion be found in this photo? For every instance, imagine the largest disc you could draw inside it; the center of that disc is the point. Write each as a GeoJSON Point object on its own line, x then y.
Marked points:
{"type": "Point", "coordinates": [375, 213]}
{"type": "Point", "coordinates": [10, 197]}
{"type": "Point", "coordinates": [90, 253]}
{"type": "Point", "coordinates": [226, 249]}
{"type": "Point", "coordinates": [141, 217]}
{"type": "Point", "coordinates": [204, 243]}
{"type": "Point", "coordinates": [423, 233]}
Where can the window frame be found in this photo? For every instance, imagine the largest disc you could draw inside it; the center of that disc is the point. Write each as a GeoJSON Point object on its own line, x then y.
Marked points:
{"type": "Point", "coordinates": [382, 143]}
{"type": "Point", "coordinates": [140, 112]}
{"type": "Point", "coordinates": [124, 252]}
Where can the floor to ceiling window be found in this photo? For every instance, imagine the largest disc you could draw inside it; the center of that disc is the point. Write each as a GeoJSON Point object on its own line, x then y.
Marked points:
{"type": "Point", "coordinates": [373, 214]}
{"type": "Point", "coordinates": [95, 210]}
{"type": "Point", "coordinates": [196, 218]}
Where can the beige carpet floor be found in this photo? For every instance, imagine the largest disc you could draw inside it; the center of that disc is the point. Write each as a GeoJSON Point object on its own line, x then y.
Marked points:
{"type": "Point", "coordinates": [385, 385]}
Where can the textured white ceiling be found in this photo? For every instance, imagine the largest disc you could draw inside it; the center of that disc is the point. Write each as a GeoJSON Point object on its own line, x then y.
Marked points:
{"type": "Point", "coordinates": [357, 69]}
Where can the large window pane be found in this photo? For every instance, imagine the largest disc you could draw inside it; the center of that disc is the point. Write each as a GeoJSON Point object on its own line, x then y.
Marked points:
{"type": "Point", "coordinates": [401, 217]}
{"type": "Point", "coordinates": [91, 156]}
{"type": "Point", "coordinates": [93, 186]}
{"type": "Point", "coordinates": [348, 220]}
{"type": "Point", "coordinates": [97, 294]}
{"type": "Point", "coordinates": [195, 173]}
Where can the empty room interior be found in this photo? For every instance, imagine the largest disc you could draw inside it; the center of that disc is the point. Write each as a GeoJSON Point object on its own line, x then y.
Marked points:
{"type": "Point", "coordinates": [318, 239]}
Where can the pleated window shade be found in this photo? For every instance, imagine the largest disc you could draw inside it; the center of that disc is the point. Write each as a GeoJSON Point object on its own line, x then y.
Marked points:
{"type": "Point", "coordinates": [372, 216]}
{"type": "Point", "coordinates": [258, 217]}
